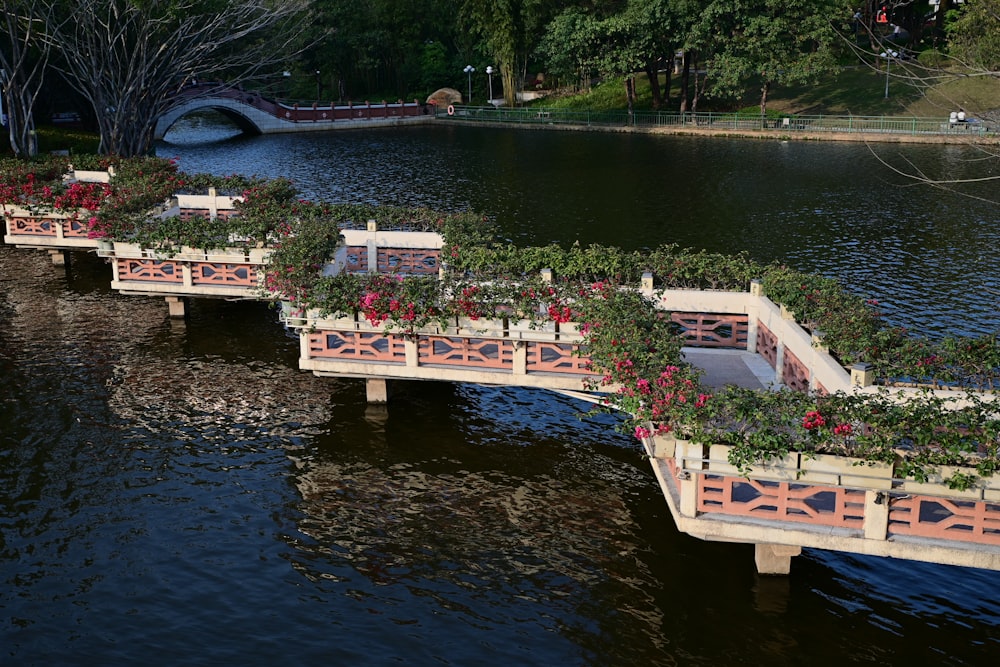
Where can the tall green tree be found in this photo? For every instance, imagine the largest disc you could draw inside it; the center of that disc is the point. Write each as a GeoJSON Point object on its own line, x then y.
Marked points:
{"type": "Point", "coordinates": [387, 47]}
{"type": "Point", "coordinates": [636, 37]}
{"type": "Point", "coordinates": [975, 37]}
{"type": "Point", "coordinates": [569, 46]}
{"type": "Point", "coordinates": [771, 42]}
{"type": "Point", "coordinates": [508, 32]}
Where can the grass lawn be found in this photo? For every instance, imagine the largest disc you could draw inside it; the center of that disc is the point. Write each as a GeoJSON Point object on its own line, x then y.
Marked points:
{"type": "Point", "coordinates": [856, 90]}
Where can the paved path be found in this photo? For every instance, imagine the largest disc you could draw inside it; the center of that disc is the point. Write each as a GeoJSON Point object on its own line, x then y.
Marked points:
{"type": "Point", "coordinates": [723, 367]}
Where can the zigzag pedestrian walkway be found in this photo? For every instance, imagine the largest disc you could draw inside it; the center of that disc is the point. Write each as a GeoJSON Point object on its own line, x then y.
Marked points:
{"type": "Point", "coordinates": [804, 500]}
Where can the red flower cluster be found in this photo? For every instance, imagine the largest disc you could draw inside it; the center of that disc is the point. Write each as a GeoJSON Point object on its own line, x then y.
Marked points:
{"type": "Point", "coordinates": [467, 304]}
{"type": "Point", "coordinates": [560, 313]}
{"type": "Point", "coordinates": [813, 419]}
{"type": "Point", "coordinates": [87, 196]}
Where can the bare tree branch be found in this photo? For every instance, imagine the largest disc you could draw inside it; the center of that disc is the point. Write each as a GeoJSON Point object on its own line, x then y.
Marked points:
{"type": "Point", "coordinates": [23, 68]}
{"type": "Point", "coordinates": [129, 59]}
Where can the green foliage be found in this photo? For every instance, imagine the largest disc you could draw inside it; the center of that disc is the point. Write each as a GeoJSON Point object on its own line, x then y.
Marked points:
{"type": "Point", "coordinates": [75, 142]}
{"type": "Point", "coordinates": [932, 58]}
{"type": "Point", "coordinates": [508, 32]}
{"type": "Point", "coordinates": [975, 36]}
{"type": "Point", "coordinates": [776, 41]}
{"type": "Point", "coordinates": [433, 66]}
{"type": "Point", "coordinates": [637, 354]}
{"type": "Point", "coordinates": [918, 435]}
{"type": "Point", "coordinates": [303, 238]}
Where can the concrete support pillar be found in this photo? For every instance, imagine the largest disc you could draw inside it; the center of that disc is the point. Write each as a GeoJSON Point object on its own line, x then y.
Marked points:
{"type": "Point", "coordinates": [774, 558]}
{"type": "Point", "coordinates": [752, 329]}
{"type": "Point", "coordinates": [411, 349]}
{"type": "Point", "coordinates": [176, 305]}
{"type": "Point", "coordinates": [876, 515]}
{"type": "Point", "coordinates": [819, 350]}
{"type": "Point", "coordinates": [647, 284]}
{"type": "Point", "coordinates": [520, 359]}
{"type": "Point", "coordinates": [58, 257]}
{"type": "Point", "coordinates": [862, 375]}
{"type": "Point", "coordinates": [372, 246]}
{"type": "Point", "coordinates": [753, 314]}
{"type": "Point", "coordinates": [689, 495]}
{"type": "Point", "coordinates": [377, 390]}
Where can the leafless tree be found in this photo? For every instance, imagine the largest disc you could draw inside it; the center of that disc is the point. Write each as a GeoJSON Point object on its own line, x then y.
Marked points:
{"type": "Point", "coordinates": [130, 59]}
{"type": "Point", "coordinates": [22, 65]}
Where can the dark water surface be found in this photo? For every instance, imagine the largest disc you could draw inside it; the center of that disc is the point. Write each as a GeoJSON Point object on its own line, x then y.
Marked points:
{"type": "Point", "coordinates": [179, 493]}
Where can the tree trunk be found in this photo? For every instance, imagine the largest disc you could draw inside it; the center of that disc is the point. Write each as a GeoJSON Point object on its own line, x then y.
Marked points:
{"type": "Point", "coordinates": [630, 96]}
{"type": "Point", "coordinates": [654, 85]}
{"type": "Point", "coordinates": [17, 106]}
{"type": "Point", "coordinates": [509, 78]}
{"type": "Point", "coordinates": [699, 86]}
{"type": "Point", "coordinates": [763, 97]}
{"type": "Point", "coordinates": [939, 17]}
{"type": "Point", "coordinates": [23, 60]}
{"type": "Point", "coordinates": [685, 80]}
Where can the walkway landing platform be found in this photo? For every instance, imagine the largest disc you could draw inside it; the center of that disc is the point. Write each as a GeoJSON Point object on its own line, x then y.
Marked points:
{"type": "Point", "coordinates": [724, 367]}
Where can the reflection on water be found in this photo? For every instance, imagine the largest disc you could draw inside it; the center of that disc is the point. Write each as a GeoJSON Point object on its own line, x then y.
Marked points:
{"type": "Point", "coordinates": [179, 493]}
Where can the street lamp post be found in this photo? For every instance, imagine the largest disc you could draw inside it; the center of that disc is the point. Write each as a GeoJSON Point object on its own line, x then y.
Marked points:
{"type": "Point", "coordinates": [318, 85]}
{"type": "Point", "coordinates": [888, 54]}
{"type": "Point", "coordinates": [469, 69]}
{"type": "Point", "coordinates": [489, 73]}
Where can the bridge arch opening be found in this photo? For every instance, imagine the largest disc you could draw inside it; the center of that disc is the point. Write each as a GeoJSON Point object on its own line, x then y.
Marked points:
{"type": "Point", "coordinates": [207, 124]}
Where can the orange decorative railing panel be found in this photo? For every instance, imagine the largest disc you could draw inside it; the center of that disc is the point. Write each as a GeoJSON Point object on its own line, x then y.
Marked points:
{"type": "Point", "coordinates": [781, 501]}
{"type": "Point", "coordinates": [708, 330]}
{"type": "Point", "coordinates": [411, 262]}
{"type": "Point", "coordinates": [944, 519]}
{"type": "Point", "coordinates": [794, 373]}
{"type": "Point", "coordinates": [233, 275]}
{"type": "Point", "coordinates": [149, 270]}
{"type": "Point", "coordinates": [33, 226]}
{"type": "Point", "coordinates": [767, 345]}
{"type": "Point", "coordinates": [474, 352]}
{"type": "Point", "coordinates": [557, 358]}
{"type": "Point", "coordinates": [357, 345]}
{"type": "Point", "coordinates": [357, 259]}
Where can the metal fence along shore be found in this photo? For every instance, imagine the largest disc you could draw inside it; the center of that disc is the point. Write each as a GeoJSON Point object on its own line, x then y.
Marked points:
{"type": "Point", "coordinates": [791, 124]}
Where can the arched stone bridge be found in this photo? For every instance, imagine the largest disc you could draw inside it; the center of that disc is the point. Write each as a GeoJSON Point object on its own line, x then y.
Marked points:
{"type": "Point", "coordinates": [255, 114]}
